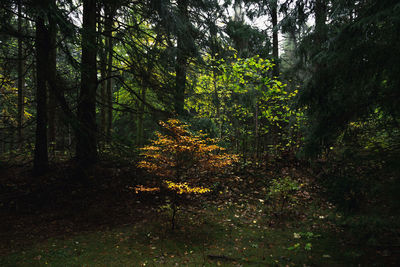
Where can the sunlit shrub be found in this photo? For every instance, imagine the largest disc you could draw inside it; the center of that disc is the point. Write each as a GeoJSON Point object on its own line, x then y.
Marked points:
{"type": "Point", "coordinates": [186, 163]}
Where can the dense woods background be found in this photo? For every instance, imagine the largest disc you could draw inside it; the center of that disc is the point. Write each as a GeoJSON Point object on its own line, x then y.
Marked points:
{"type": "Point", "coordinates": [311, 86]}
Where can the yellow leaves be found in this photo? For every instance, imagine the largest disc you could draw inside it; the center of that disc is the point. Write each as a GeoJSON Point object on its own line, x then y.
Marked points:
{"type": "Point", "coordinates": [181, 154]}
{"type": "Point", "coordinates": [208, 148]}
{"type": "Point", "coordinates": [27, 115]}
{"type": "Point", "coordinates": [147, 165]}
{"type": "Point", "coordinates": [151, 148]}
{"type": "Point", "coordinates": [184, 188]}
{"type": "Point", "coordinates": [141, 188]}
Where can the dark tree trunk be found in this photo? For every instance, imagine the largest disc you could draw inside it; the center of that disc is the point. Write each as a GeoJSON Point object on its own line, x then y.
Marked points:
{"type": "Point", "coordinates": [140, 118]}
{"type": "Point", "coordinates": [320, 20]}
{"type": "Point", "coordinates": [256, 129]}
{"type": "Point", "coordinates": [52, 106]}
{"type": "Point", "coordinates": [109, 14]}
{"type": "Point", "coordinates": [42, 56]}
{"type": "Point", "coordinates": [181, 59]}
{"type": "Point", "coordinates": [320, 10]}
{"type": "Point", "coordinates": [21, 79]}
{"type": "Point", "coordinates": [275, 41]}
{"type": "Point", "coordinates": [86, 147]}
{"type": "Point", "coordinates": [103, 87]}
{"type": "Point", "coordinates": [102, 52]}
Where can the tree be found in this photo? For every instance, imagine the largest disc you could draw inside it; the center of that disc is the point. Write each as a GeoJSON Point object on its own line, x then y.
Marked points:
{"type": "Point", "coordinates": [182, 22]}
{"type": "Point", "coordinates": [86, 146]}
{"type": "Point", "coordinates": [110, 9]}
{"type": "Point", "coordinates": [184, 161]}
{"type": "Point", "coordinates": [340, 90]}
{"type": "Point", "coordinates": [258, 111]}
{"type": "Point", "coordinates": [273, 9]}
{"type": "Point", "coordinates": [21, 80]}
{"type": "Point", "coordinates": [182, 56]}
{"type": "Point", "coordinates": [42, 42]}
{"type": "Point", "coordinates": [270, 8]}
{"type": "Point", "coordinates": [52, 73]}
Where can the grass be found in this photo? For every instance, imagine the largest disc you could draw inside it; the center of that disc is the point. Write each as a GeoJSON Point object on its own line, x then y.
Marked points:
{"type": "Point", "coordinates": [235, 227]}
{"type": "Point", "coordinates": [222, 235]}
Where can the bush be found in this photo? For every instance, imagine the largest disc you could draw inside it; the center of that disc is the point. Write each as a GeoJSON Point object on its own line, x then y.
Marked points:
{"type": "Point", "coordinates": [186, 163]}
{"type": "Point", "coordinates": [282, 192]}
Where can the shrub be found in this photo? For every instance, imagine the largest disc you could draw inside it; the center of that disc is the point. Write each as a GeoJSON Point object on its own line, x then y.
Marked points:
{"type": "Point", "coordinates": [282, 192]}
{"type": "Point", "coordinates": [186, 163]}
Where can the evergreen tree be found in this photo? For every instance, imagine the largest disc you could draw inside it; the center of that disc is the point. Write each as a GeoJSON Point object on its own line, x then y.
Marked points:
{"type": "Point", "coordinates": [86, 145]}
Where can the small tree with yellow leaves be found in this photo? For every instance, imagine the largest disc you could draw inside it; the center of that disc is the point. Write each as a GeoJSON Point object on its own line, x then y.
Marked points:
{"type": "Point", "coordinates": [185, 162]}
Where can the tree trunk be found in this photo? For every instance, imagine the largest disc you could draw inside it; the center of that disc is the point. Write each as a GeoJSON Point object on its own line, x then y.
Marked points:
{"type": "Point", "coordinates": [256, 129]}
{"type": "Point", "coordinates": [275, 41]}
{"type": "Point", "coordinates": [86, 147]}
{"type": "Point", "coordinates": [181, 59]}
{"type": "Point", "coordinates": [108, 29]}
{"type": "Point", "coordinates": [238, 11]}
{"type": "Point", "coordinates": [42, 56]}
{"type": "Point", "coordinates": [21, 80]}
{"type": "Point", "coordinates": [140, 130]}
{"type": "Point", "coordinates": [214, 50]}
{"type": "Point", "coordinates": [103, 86]}
{"type": "Point", "coordinates": [320, 21]}
{"type": "Point", "coordinates": [320, 31]}
{"type": "Point", "coordinates": [52, 65]}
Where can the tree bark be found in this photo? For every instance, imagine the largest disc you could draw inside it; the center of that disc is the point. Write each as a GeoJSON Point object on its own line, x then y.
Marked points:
{"type": "Point", "coordinates": [102, 41]}
{"type": "Point", "coordinates": [103, 88]}
{"type": "Point", "coordinates": [86, 147]}
{"type": "Point", "coordinates": [181, 59]}
{"type": "Point", "coordinates": [21, 77]}
{"type": "Point", "coordinates": [42, 56]}
{"type": "Point", "coordinates": [52, 72]}
{"type": "Point", "coordinates": [140, 130]}
{"type": "Point", "coordinates": [256, 129]}
{"type": "Point", "coordinates": [320, 21]}
{"type": "Point", "coordinates": [275, 40]}
{"type": "Point", "coordinates": [320, 31]}
{"type": "Point", "coordinates": [109, 14]}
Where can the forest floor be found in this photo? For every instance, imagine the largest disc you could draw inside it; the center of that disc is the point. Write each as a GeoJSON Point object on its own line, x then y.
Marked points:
{"type": "Point", "coordinates": [50, 220]}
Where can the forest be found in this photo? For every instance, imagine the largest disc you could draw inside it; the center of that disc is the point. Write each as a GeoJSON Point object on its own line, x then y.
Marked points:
{"type": "Point", "coordinates": [199, 132]}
